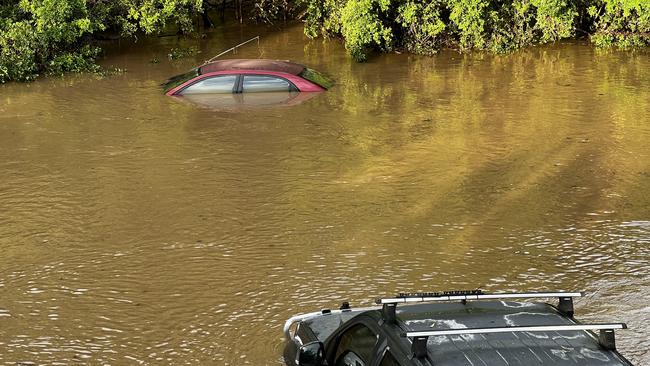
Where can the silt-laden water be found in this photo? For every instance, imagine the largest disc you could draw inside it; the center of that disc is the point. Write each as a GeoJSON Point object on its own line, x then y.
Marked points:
{"type": "Point", "coordinates": [137, 229]}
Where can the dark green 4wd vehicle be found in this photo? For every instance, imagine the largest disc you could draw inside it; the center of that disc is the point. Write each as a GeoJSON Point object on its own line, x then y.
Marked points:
{"type": "Point", "coordinates": [452, 328]}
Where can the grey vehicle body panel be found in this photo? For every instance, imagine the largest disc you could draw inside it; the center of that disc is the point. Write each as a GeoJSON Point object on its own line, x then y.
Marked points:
{"type": "Point", "coordinates": [324, 326]}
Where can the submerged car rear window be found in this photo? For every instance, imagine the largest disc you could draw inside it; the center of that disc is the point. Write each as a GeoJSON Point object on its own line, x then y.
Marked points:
{"type": "Point", "coordinates": [177, 80]}
{"type": "Point", "coordinates": [317, 78]}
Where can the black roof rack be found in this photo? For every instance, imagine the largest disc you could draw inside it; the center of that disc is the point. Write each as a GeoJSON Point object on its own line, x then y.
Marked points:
{"type": "Point", "coordinates": [605, 339]}
{"type": "Point", "coordinates": [389, 305]}
{"type": "Point", "coordinates": [470, 295]}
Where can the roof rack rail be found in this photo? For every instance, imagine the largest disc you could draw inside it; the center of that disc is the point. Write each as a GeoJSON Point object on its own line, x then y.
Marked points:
{"type": "Point", "coordinates": [605, 339]}
{"type": "Point", "coordinates": [389, 305]}
{"type": "Point", "coordinates": [470, 295]}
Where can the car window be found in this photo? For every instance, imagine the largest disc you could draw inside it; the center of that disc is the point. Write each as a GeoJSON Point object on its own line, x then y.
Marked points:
{"type": "Point", "coordinates": [265, 83]}
{"type": "Point", "coordinates": [350, 359]}
{"type": "Point", "coordinates": [358, 341]}
{"type": "Point", "coordinates": [216, 84]}
{"type": "Point", "coordinates": [388, 360]}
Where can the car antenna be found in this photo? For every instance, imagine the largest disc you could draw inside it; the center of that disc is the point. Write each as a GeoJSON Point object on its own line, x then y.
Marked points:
{"type": "Point", "coordinates": [224, 52]}
{"type": "Point", "coordinates": [233, 49]}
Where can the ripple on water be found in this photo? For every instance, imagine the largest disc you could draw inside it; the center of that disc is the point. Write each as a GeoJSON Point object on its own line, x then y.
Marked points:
{"type": "Point", "coordinates": [134, 229]}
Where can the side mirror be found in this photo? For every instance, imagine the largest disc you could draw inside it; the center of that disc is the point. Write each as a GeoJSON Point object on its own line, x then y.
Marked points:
{"type": "Point", "coordinates": [310, 354]}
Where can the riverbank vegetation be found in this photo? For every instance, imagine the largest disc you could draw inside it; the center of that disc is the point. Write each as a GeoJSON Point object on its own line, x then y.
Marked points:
{"type": "Point", "coordinates": [498, 26]}
{"type": "Point", "coordinates": [57, 36]}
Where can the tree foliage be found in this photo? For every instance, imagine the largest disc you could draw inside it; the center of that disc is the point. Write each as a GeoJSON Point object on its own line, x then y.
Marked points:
{"type": "Point", "coordinates": [422, 24]}
{"type": "Point", "coordinates": [151, 16]}
{"type": "Point", "coordinates": [56, 36]}
{"type": "Point", "coordinates": [427, 25]}
{"type": "Point", "coordinates": [362, 24]}
{"type": "Point", "coordinates": [625, 23]}
{"type": "Point", "coordinates": [42, 34]}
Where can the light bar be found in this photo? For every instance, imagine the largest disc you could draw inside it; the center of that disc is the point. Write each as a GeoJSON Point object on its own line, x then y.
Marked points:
{"type": "Point", "coordinates": [534, 328]}
{"type": "Point", "coordinates": [526, 295]}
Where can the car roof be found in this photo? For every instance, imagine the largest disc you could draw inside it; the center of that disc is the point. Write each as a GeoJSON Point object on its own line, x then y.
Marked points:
{"type": "Point", "coordinates": [253, 64]}
{"type": "Point", "coordinates": [526, 348]}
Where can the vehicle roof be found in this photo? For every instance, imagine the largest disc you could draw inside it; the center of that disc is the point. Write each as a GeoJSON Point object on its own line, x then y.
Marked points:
{"type": "Point", "coordinates": [252, 64]}
{"type": "Point", "coordinates": [526, 348]}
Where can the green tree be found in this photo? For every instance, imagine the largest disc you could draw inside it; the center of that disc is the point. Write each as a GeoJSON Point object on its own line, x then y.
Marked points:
{"type": "Point", "coordinates": [422, 24]}
{"type": "Point", "coordinates": [151, 16]}
{"type": "Point", "coordinates": [41, 34]}
{"type": "Point", "coordinates": [425, 26]}
{"type": "Point", "coordinates": [363, 27]}
{"type": "Point", "coordinates": [623, 23]}
{"type": "Point", "coordinates": [55, 36]}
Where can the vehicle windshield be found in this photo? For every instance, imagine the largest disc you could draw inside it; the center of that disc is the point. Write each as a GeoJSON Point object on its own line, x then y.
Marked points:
{"type": "Point", "coordinates": [177, 80]}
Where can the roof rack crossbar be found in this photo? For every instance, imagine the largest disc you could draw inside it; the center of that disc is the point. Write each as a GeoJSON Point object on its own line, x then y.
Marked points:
{"type": "Point", "coordinates": [479, 296]}
{"type": "Point", "coordinates": [605, 338]}
{"type": "Point", "coordinates": [518, 328]}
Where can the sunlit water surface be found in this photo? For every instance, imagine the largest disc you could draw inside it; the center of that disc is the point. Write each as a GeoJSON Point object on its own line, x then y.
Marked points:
{"type": "Point", "coordinates": [137, 229]}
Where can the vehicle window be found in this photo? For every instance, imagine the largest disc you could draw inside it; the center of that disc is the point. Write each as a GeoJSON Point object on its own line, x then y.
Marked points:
{"type": "Point", "coordinates": [350, 359]}
{"type": "Point", "coordinates": [177, 80]}
{"type": "Point", "coordinates": [388, 360]}
{"type": "Point", "coordinates": [265, 83]}
{"type": "Point", "coordinates": [217, 84]}
{"type": "Point", "coordinates": [358, 341]}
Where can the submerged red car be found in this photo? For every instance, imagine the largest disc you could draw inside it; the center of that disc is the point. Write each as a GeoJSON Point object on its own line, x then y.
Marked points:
{"type": "Point", "coordinates": [235, 76]}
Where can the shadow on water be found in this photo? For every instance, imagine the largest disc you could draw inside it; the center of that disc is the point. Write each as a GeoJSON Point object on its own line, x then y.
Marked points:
{"type": "Point", "coordinates": [136, 229]}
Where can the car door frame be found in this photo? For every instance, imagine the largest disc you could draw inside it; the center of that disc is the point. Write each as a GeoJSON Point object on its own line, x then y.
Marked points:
{"type": "Point", "coordinates": [389, 344]}
{"type": "Point", "coordinates": [333, 340]}
{"type": "Point", "coordinates": [240, 82]}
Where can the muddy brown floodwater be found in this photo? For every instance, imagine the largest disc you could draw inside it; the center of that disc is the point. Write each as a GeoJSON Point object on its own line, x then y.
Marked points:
{"type": "Point", "coordinates": [136, 229]}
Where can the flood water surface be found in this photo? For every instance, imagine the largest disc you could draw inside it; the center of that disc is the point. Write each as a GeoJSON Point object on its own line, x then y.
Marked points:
{"type": "Point", "coordinates": [138, 229]}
